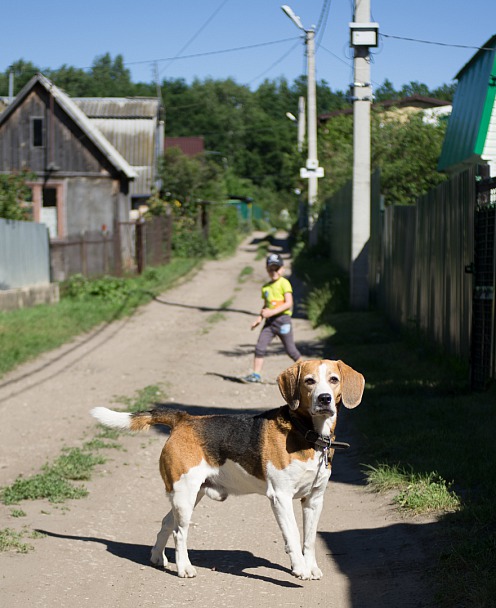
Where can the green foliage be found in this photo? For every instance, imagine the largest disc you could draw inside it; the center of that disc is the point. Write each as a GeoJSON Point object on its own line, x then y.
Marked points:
{"type": "Point", "coordinates": [14, 196]}
{"type": "Point", "coordinates": [407, 152]}
{"type": "Point", "coordinates": [326, 287]}
{"type": "Point", "coordinates": [108, 288]}
{"type": "Point", "coordinates": [404, 148]}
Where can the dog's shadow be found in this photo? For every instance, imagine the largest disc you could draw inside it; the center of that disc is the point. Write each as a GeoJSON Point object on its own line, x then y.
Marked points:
{"type": "Point", "coordinates": [232, 562]}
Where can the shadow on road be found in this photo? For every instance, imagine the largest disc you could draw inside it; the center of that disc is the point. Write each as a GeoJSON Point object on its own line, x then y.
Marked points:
{"type": "Point", "coordinates": [384, 566]}
{"type": "Point", "coordinates": [228, 561]}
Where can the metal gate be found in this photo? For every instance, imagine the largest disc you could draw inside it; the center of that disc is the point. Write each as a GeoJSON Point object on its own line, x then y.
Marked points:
{"type": "Point", "coordinates": [483, 343]}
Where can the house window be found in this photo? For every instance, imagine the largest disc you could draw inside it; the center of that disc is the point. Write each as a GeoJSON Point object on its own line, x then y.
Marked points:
{"type": "Point", "coordinates": [37, 132]}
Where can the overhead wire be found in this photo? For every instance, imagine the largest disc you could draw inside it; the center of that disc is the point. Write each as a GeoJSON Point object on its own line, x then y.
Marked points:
{"type": "Point", "coordinates": [196, 34]}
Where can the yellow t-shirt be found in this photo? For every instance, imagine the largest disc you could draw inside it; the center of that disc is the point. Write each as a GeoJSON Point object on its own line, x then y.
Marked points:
{"type": "Point", "coordinates": [273, 294]}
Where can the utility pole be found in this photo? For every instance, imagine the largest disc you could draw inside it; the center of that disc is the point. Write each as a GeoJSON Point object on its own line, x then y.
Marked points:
{"type": "Point", "coordinates": [312, 160]}
{"type": "Point", "coordinates": [311, 171]}
{"type": "Point", "coordinates": [363, 35]}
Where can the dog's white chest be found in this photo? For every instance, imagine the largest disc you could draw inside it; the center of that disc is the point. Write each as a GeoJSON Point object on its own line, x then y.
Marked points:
{"type": "Point", "coordinates": [300, 478]}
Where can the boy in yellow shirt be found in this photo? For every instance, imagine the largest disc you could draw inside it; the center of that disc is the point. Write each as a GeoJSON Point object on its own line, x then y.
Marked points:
{"type": "Point", "coordinates": [277, 309]}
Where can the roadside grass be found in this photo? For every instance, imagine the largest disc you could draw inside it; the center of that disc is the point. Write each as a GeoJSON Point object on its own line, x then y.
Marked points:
{"type": "Point", "coordinates": [245, 273]}
{"type": "Point", "coordinates": [85, 304]}
{"type": "Point", "coordinates": [11, 540]}
{"type": "Point", "coordinates": [143, 399]}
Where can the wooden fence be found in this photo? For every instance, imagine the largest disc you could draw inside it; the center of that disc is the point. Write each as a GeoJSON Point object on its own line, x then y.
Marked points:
{"type": "Point", "coordinates": [421, 264]}
{"type": "Point", "coordinates": [129, 248]}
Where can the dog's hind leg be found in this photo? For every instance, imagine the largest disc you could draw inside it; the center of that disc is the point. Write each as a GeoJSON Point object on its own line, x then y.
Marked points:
{"type": "Point", "coordinates": [158, 557]}
{"type": "Point", "coordinates": [184, 500]}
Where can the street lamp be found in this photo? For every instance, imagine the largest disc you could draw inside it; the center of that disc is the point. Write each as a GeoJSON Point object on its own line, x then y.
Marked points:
{"type": "Point", "coordinates": [311, 171]}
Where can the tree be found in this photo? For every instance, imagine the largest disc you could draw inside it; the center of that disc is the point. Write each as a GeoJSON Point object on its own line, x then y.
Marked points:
{"type": "Point", "coordinates": [74, 81]}
{"type": "Point", "coordinates": [407, 153]}
{"type": "Point", "coordinates": [109, 78]}
{"type": "Point", "coordinates": [14, 196]}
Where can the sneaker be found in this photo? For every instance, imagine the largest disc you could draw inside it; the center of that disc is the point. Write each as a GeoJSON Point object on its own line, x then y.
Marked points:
{"type": "Point", "coordinates": [253, 377]}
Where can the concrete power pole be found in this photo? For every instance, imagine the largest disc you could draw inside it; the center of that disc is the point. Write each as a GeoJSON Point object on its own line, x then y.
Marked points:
{"type": "Point", "coordinates": [363, 35]}
{"type": "Point", "coordinates": [311, 171]}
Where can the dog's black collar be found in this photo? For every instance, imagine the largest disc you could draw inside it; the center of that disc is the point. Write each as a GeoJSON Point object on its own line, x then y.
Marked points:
{"type": "Point", "coordinates": [321, 442]}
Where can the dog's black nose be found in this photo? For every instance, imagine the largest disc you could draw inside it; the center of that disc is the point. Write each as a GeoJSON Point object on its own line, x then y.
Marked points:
{"type": "Point", "coordinates": [325, 399]}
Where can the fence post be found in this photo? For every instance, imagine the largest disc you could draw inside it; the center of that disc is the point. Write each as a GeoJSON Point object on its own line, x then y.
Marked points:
{"type": "Point", "coordinates": [117, 248]}
{"type": "Point", "coordinates": [83, 249]}
{"type": "Point", "coordinates": [140, 246]}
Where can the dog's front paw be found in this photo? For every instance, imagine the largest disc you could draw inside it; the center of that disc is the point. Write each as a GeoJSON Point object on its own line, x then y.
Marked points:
{"type": "Point", "coordinates": [158, 558]}
{"type": "Point", "coordinates": [187, 571]}
{"type": "Point", "coordinates": [316, 573]}
{"type": "Point", "coordinates": [305, 573]}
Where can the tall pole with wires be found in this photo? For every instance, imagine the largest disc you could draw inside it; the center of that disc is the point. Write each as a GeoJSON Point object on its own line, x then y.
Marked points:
{"type": "Point", "coordinates": [363, 34]}
{"type": "Point", "coordinates": [311, 171]}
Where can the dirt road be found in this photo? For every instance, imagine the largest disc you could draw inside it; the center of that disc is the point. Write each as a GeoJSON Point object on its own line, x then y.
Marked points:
{"type": "Point", "coordinates": [95, 552]}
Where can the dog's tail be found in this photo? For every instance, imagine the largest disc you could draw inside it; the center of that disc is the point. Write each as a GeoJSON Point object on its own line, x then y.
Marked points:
{"type": "Point", "coordinates": [139, 421]}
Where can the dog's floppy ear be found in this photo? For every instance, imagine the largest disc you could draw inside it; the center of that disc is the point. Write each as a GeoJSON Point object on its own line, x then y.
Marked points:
{"type": "Point", "coordinates": [288, 385]}
{"type": "Point", "coordinates": [352, 385]}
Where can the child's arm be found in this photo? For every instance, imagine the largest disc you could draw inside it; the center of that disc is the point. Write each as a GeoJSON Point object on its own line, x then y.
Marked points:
{"type": "Point", "coordinates": [257, 321]}
{"type": "Point", "coordinates": [272, 312]}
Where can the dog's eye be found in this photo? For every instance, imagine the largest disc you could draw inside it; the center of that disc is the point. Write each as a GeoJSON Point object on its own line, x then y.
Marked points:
{"type": "Point", "coordinates": [333, 380]}
{"type": "Point", "coordinates": [309, 381]}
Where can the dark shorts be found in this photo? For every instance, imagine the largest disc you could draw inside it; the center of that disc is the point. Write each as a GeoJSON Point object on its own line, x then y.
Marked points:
{"type": "Point", "coordinates": [282, 327]}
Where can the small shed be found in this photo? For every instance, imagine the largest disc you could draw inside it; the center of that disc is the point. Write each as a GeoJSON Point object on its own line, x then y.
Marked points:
{"type": "Point", "coordinates": [92, 159]}
{"type": "Point", "coordinates": [471, 134]}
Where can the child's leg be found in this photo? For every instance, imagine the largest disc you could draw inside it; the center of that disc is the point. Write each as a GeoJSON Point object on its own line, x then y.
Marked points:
{"type": "Point", "coordinates": [264, 339]}
{"type": "Point", "coordinates": [286, 335]}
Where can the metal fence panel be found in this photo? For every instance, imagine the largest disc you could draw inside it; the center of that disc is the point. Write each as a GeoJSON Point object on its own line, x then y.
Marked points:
{"type": "Point", "coordinates": [24, 254]}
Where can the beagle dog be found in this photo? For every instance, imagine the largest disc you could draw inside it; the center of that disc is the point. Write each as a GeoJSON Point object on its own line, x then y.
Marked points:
{"type": "Point", "coordinates": [283, 453]}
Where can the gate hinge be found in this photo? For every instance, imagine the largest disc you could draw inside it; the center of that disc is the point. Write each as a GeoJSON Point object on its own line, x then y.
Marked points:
{"type": "Point", "coordinates": [470, 268]}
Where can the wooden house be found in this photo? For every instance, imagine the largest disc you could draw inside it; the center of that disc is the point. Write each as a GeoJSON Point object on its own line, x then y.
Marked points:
{"type": "Point", "coordinates": [90, 158]}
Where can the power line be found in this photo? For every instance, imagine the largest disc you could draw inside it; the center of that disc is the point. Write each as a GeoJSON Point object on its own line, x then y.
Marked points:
{"type": "Point", "coordinates": [207, 53]}
{"type": "Point", "coordinates": [321, 25]}
{"type": "Point", "coordinates": [275, 62]}
{"type": "Point", "coordinates": [178, 54]}
{"type": "Point", "coordinates": [459, 46]}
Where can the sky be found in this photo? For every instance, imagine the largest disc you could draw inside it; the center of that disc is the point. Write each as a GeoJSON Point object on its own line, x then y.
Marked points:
{"type": "Point", "coordinates": [420, 40]}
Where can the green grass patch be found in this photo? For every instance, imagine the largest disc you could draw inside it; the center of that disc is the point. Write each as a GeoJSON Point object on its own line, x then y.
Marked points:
{"type": "Point", "coordinates": [418, 493]}
{"type": "Point", "coordinates": [85, 304]}
{"type": "Point", "coordinates": [144, 399]}
{"type": "Point", "coordinates": [55, 481]}
{"type": "Point", "coordinates": [11, 540]}
{"type": "Point", "coordinates": [245, 273]}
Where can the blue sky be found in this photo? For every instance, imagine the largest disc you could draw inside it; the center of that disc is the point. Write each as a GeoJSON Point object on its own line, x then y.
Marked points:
{"type": "Point", "coordinates": [183, 38]}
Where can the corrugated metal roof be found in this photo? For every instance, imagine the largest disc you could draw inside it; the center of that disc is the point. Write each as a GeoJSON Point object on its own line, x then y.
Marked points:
{"type": "Point", "coordinates": [470, 120]}
{"type": "Point", "coordinates": [118, 107]}
{"type": "Point", "coordinates": [130, 125]}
